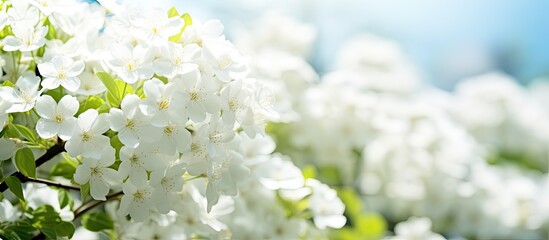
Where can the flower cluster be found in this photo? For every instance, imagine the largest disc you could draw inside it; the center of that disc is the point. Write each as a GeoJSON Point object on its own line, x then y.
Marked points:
{"type": "Point", "coordinates": [149, 110]}
{"type": "Point", "coordinates": [472, 163]}
{"type": "Point", "coordinates": [257, 212]}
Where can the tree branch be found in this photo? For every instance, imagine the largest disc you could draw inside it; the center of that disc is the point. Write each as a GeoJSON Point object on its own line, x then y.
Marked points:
{"type": "Point", "coordinates": [50, 183]}
{"type": "Point", "coordinates": [92, 204]}
{"type": "Point", "coordinates": [52, 152]}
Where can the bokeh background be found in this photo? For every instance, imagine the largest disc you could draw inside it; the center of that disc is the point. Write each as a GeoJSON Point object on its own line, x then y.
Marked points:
{"type": "Point", "coordinates": [447, 40]}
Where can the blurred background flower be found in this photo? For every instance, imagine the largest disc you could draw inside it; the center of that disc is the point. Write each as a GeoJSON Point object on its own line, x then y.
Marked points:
{"type": "Point", "coordinates": [447, 40]}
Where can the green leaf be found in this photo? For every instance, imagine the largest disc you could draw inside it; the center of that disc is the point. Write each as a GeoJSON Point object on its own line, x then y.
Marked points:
{"type": "Point", "coordinates": [371, 225]}
{"type": "Point", "coordinates": [51, 30]}
{"type": "Point", "coordinates": [64, 198]}
{"type": "Point", "coordinates": [92, 102]}
{"type": "Point", "coordinates": [162, 78]}
{"type": "Point", "coordinates": [63, 169]}
{"type": "Point", "coordinates": [108, 81]}
{"type": "Point", "coordinates": [55, 94]}
{"type": "Point", "coordinates": [41, 52]}
{"type": "Point", "coordinates": [84, 191]}
{"type": "Point", "coordinates": [11, 131]}
{"type": "Point", "coordinates": [24, 161]}
{"type": "Point", "coordinates": [116, 89]}
{"type": "Point", "coordinates": [14, 184]}
{"type": "Point", "coordinates": [65, 229]}
{"type": "Point", "coordinates": [346, 234]}
{"type": "Point", "coordinates": [7, 84]}
{"type": "Point", "coordinates": [188, 22]}
{"type": "Point", "coordinates": [50, 233]}
{"type": "Point", "coordinates": [115, 98]}
{"type": "Point", "coordinates": [26, 132]}
{"type": "Point", "coordinates": [173, 12]}
{"type": "Point", "coordinates": [117, 145]}
{"type": "Point", "coordinates": [22, 229]}
{"type": "Point", "coordinates": [105, 108]}
{"type": "Point", "coordinates": [353, 203]}
{"type": "Point", "coordinates": [309, 171]}
{"type": "Point", "coordinates": [329, 175]}
{"type": "Point", "coordinates": [97, 221]}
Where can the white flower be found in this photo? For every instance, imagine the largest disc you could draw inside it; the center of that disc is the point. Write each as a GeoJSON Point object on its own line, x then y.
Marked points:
{"type": "Point", "coordinates": [196, 156]}
{"type": "Point", "coordinates": [26, 38]}
{"type": "Point", "coordinates": [199, 95]}
{"type": "Point", "coordinates": [416, 228]}
{"type": "Point", "coordinates": [136, 201]}
{"type": "Point", "coordinates": [4, 106]}
{"type": "Point", "coordinates": [327, 208]}
{"type": "Point", "coordinates": [162, 103]}
{"type": "Point", "coordinates": [175, 137]}
{"type": "Point", "coordinates": [279, 173]}
{"type": "Point", "coordinates": [22, 13]}
{"type": "Point", "coordinates": [90, 84]}
{"type": "Point", "coordinates": [158, 30]}
{"type": "Point", "coordinates": [24, 95]}
{"type": "Point", "coordinates": [8, 213]}
{"type": "Point", "coordinates": [97, 173]}
{"type": "Point", "coordinates": [136, 163]}
{"type": "Point", "coordinates": [56, 119]}
{"type": "Point", "coordinates": [217, 133]}
{"type": "Point", "coordinates": [131, 63]}
{"type": "Point", "coordinates": [47, 7]}
{"type": "Point", "coordinates": [7, 148]}
{"type": "Point", "coordinates": [223, 175]}
{"type": "Point", "coordinates": [165, 182]}
{"type": "Point", "coordinates": [197, 32]}
{"type": "Point", "coordinates": [176, 59]}
{"type": "Point", "coordinates": [87, 138]}
{"type": "Point", "coordinates": [227, 64]}
{"type": "Point", "coordinates": [61, 71]}
{"type": "Point", "coordinates": [3, 19]}
{"type": "Point", "coordinates": [236, 100]}
{"type": "Point", "coordinates": [132, 126]}
{"type": "Point", "coordinates": [37, 194]}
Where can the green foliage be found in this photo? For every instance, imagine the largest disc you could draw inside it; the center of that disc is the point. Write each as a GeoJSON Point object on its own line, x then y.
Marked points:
{"type": "Point", "coordinates": [329, 175]}
{"type": "Point", "coordinates": [51, 30]}
{"type": "Point", "coordinates": [116, 89]}
{"type": "Point", "coordinates": [371, 225]}
{"type": "Point", "coordinates": [186, 18]}
{"type": "Point", "coordinates": [172, 12]}
{"type": "Point", "coordinates": [309, 171]}
{"type": "Point", "coordinates": [7, 84]}
{"type": "Point", "coordinates": [65, 199]}
{"type": "Point", "coordinates": [97, 221]}
{"type": "Point", "coordinates": [64, 168]}
{"type": "Point", "coordinates": [353, 203]}
{"type": "Point", "coordinates": [25, 132]}
{"type": "Point", "coordinates": [65, 229]}
{"type": "Point", "coordinates": [14, 184]}
{"type": "Point", "coordinates": [48, 221]}
{"type": "Point", "coordinates": [117, 145]}
{"type": "Point", "coordinates": [361, 224]}
{"type": "Point", "coordinates": [92, 102]}
{"type": "Point", "coordinates": [24, 161]}
{"type": "Point", "coordinates": [55, 94]}
{"type": "Point", "coordinates": [84, 191]}
{"type": "Point", "coordinates": [18, 231]}
{"type": "Point", "coordinates": [122, 88]}
{"type": "Point", "coordinates": [294, 208]}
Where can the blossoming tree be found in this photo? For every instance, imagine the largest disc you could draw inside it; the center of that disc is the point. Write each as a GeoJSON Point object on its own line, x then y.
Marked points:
{"type": "Point", "coordinates": [149, 112]}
